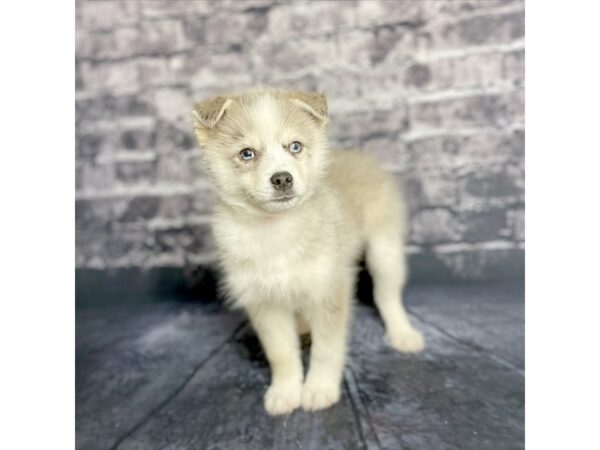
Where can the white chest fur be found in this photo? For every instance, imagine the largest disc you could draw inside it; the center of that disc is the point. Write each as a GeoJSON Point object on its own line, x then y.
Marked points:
{"type": "Point", "coordinates": [284, 259]}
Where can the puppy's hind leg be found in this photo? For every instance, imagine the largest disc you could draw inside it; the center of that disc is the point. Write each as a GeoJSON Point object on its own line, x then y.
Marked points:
{"type": "Point", "coordinates": [387, 265]}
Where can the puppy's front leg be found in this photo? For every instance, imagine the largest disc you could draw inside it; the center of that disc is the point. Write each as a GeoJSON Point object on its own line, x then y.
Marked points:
{"type": "Point", "coordinates": [329, 326]}
{"type": "Point", "coordinates": [276, 329]}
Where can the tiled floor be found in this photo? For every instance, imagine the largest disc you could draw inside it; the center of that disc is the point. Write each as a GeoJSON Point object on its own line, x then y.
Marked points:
{"type": "Point", "coordinates": [182, 375]}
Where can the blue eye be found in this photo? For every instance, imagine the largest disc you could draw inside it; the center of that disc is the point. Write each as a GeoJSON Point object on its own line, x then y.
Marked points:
{"type": "Point", "coordinates": [295, 147]}
{"type": "Point", "coordinates": [247, 154]}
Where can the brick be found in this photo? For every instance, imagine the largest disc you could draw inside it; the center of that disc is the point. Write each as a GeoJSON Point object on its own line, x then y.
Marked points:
{"type": "Point", "coordinates": [97, 177]}
{"type": "Point", "coordinates": [98, 214]}
{"type": "Point", "coordinates": [173, 104]}
{"type": "Point", "coordinates": [140, 208]}
{"type": "Point", "coordinates": [485, 225]}
{"type": "Point", "coordinates": [106, 14]}
{"type": "Point", "coordinates": [461, 72]}
{"type": "Point", "coordinates": [353, 129]}
{"type": "Point", "coordinates": [90, 145]}
{"type": "Point", "coordinates": [123, 246]}
{"type": "Point", "coordinates": [355, 46]}
{"type": "Point", "coordinates": [123, 211]}
{"type": "Point", "coordinates": [489, 186]}
{"type": "Point", "coordinates": [187, 238]}
{"type": "Point", "coordinates": [175, 206]}
{"type": "Point", "coordinates": [490, 28]}
{"type": "Point", "coordinates": [226, 68]}
{"type": "Point", "coordinates": [385, 40]}
{"type": "Point", "coordinates": [376, 84]}
{"type": "Point", "coordinates": [369, 48]}
{"type": "Point", "coordinates": [513, 67]}
{"type": "Point", "coordinates": [434, 226]}
{"type": "Point", "coordinates": [516, 144]}
{"type": "Point", "coordinates": [202, 201]}
{"type": "Point", "coordinates": [231, 27]}
{"type": "Point", "coordinates": [507, 146]}
{"type": "Point", "coordinates": [155, 71]}
{"type": "Point", "coordinates": [135, 172]}
{"type": "Point", "coordinates": [473, 111]}
{"type": "Point", "coordinates": [297, 20]}
{"type": "Point", "coordinates": [79, 85]}
{"type": "Point", "coordinates": [335, 83]}
{"type": "Point", "coordinates": [489, 149]}
{"type": "Point", "coordinates": [137, 139]}
{"type": "Point", "coordinates": [486, 29]}
{"type": "Point", "coordinates": [109, 106]}
{"type": "Point", "coordinates": [194, 27]}
{"type": "Point", "coordinates": [164, 36]}
{"type": "Point", "coordinates": [461, 151]}
{"type": "Point", "coordinates": [172, 168]}
{"type": "Point", "coordinates": [110, 78]}
{"type": "Point", "coordinates": [433, 152]}
{"type": "Point", "coordinates": [516, 224]}
{"type": "Point", "coordinates": [79, 168]}
{"type": "Point", "coordinates": [147, 38]}
{"type": "Point", "coordinates": [111, 44]}
{"type": "Point", "coordinates": [418, 75]}
{"type": "Point", "coordinates": [290, 56]}
{"type": "Point", "coordinates": [431, 188]}
{"type": "Point", "coordinates": [169, 137]}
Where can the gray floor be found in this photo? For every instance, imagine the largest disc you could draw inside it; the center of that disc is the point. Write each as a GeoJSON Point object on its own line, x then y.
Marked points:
{"type": "Point", "coordinates": [183, 375]}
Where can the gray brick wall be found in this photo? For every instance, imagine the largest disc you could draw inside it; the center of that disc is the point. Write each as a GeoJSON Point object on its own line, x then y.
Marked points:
{"type": "Point", "coordinates": [434, 89]}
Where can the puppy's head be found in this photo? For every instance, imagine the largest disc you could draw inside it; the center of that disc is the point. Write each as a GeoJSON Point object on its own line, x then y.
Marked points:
{"type": "Point", "coordinates": [265, 149]}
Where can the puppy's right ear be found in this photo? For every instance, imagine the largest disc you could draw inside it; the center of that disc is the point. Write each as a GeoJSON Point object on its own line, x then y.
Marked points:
{"type": "Point", "coordinates": [313, 103]}
{"type": "Point", "coordinates": [207, 113]}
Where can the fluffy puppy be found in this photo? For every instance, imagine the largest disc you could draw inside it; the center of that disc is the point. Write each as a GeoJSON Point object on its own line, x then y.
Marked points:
{"type": "Point", "coordinates": [291, 220]}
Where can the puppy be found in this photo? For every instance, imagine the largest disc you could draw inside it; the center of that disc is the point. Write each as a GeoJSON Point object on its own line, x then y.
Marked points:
{"type": "Point", "coordinates": [291, 220]}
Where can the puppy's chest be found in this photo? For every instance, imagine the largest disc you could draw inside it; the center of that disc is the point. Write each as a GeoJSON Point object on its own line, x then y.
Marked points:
{"type": "Point", "coordinates": [264, 245]}
{"type": "Point", "coordinates": [284, 258]}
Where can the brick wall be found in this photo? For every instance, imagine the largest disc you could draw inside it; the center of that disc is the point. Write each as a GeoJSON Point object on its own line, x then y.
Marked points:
{"type": "Point", "coordinates": [434, 89]}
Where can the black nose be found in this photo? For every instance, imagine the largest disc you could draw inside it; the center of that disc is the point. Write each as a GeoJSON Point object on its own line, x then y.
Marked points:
{"type": "Point", "coordinates": [282, 181]}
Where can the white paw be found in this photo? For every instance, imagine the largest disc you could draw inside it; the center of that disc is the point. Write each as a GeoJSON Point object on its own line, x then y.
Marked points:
{"type": "Point", "coordinates": [317, 396]}
{"type": "Point", "coordinates": [408, 341]}
{"type": "Point", "coordinates": [283, 398]}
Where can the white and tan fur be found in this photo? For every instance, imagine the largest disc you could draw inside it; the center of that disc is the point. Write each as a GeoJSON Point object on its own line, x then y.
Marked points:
{"type": "Point", "coordinates": [291, 264]}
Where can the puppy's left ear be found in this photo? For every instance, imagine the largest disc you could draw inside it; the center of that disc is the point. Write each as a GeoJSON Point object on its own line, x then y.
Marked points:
{"type": "Point", "coordinates": [313, 103]}
{"type": "Point", "coordinates": [207, 113]}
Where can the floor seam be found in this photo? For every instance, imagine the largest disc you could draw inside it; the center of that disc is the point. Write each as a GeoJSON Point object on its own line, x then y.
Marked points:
{"type": "Point", "coordinates": [356, 414]}
{"type": "Point", "coordinates": [472, 346]}
{"type": "Point", "coordinates": [360, 396]}
{"type": "Point", "coordinates": [173, 394]}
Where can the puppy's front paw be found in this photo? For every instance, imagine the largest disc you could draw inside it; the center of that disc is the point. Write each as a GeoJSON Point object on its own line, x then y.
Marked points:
{"type": "Point", "coordinates": [283, 398]}
{"type": "Point", "coordinates": [408, 341]}
{"type": "Point", "coordinates": [317, 396]}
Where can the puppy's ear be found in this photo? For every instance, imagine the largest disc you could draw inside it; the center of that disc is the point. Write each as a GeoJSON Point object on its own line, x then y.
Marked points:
{"type": "Point", "coordinates": [313, 103]}
{"type": "Point", "coordinates": [207, 113]}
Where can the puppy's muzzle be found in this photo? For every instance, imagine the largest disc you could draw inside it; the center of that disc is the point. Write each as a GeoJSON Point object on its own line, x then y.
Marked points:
{"type": "Point", "coordinates": [282, 181]}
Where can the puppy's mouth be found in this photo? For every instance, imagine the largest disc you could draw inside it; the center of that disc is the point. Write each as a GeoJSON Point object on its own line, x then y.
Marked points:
{"type": "Point", "coordinates": [284, 198]}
